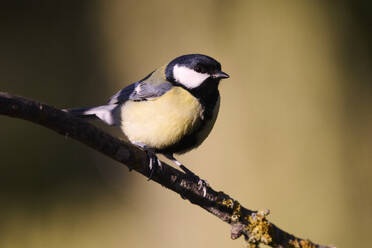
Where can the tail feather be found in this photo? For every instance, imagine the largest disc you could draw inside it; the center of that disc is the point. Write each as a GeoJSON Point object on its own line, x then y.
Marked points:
{"type": "Point", "coordinates": [105, 113]}
{"type": "Point", "coordinates": [81, 112]}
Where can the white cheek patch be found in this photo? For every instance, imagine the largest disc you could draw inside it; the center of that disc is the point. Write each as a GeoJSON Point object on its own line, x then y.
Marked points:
{"type": "Point", "coordinates": [188, 77]}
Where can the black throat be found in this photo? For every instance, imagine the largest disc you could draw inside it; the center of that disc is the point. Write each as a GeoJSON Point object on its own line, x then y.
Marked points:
{"type": "Point", "coordinates": [207, 93]}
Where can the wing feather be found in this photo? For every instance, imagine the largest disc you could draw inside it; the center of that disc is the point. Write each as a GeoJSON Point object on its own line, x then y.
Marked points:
{"type": "Point", "coordinates": [152, 86]}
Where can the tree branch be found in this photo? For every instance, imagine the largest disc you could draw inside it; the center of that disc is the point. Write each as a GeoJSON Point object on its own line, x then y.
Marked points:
{"type": "Point", "coordinates": [253, 225]}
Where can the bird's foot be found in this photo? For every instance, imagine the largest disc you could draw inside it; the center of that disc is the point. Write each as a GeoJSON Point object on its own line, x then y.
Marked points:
{"type": "Point", "coordinates": [202, 184]}
{"type": "Point", "coordinates": [154, 163]}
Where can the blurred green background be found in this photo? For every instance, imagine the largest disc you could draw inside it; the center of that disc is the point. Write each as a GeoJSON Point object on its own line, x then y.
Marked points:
{"type": "Point", "coordinates": [294, 134]}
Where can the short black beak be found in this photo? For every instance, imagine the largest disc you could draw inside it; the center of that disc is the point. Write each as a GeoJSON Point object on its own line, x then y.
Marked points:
{"type": "Point", "coordinates": [221, 75]}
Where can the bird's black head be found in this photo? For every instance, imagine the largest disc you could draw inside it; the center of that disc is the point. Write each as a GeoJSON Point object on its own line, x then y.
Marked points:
{"type": "Point", "coordinates": [193, 71]}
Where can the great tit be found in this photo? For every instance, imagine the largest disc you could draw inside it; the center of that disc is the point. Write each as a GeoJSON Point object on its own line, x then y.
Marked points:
{"type": "Point", "coordinates": [172, 110]}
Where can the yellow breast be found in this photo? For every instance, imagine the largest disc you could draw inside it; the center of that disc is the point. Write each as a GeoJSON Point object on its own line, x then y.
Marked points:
{"type": "Point", "coordinates": [163, 121]}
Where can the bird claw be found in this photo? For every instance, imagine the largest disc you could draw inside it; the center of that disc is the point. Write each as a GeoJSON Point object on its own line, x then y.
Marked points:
{"type": "Point", "coordinates": [154, 163]}
{"type": "Point", "coordinates": [202, 184]}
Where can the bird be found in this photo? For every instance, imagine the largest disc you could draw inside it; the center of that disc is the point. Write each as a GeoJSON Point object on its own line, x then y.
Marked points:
{"type": "Point", "coordinates": [170, 111]}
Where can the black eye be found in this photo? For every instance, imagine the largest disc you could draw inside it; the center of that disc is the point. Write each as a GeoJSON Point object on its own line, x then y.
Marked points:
{"type": "Point", "coordinates": [200, 69]}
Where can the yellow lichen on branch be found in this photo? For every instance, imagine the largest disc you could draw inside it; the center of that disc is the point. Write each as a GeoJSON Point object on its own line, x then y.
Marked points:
{"type": "Point", "coordinates": [301, 244]}
{"type": "Point", "coordinates": [258, 229]}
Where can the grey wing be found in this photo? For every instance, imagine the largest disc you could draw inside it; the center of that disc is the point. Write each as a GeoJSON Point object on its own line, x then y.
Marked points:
{"type": "Point", "coordinates": [145, 90]}
{"type": "Point", "coordinates": [122, 95]}
{"type": "Point", "coordinates": [140, 91]}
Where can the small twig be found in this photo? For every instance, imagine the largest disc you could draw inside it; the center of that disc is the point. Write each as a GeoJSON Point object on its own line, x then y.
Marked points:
{"type": "Point", "coordinates": [253, 225]}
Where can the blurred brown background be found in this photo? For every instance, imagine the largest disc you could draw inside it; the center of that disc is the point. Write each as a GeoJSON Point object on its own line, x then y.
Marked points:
{"type": "Point", "coordinates": [294, 134]}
